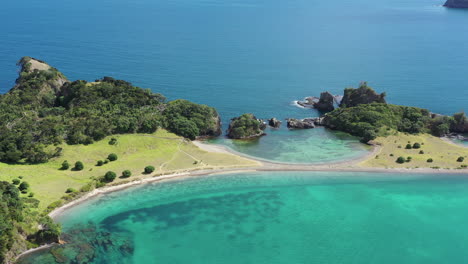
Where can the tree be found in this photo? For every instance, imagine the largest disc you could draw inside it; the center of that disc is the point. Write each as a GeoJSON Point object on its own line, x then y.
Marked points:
{"type": "Point", "coordinates": [109, 176]}
{"type": "Point", "coordinates": [100, 163]}
{"type": "Point", "coordinates": [79, 166]}
{"type": "Point", "coordinates": [65, 165]}
{"type": "Point", "coordinates": [430, 160]}
{"type": "Point", "coordinates": [408, 146]}
{"type": "Point", "coordinates": [401, 160]}
{"type": "Point", "coordinates": [460, 159]}
{"type": "Point", "coordinates": [416, 145]}
{"type": "Point", "coordinates": [126, 173]}
{"type": "Point", "coordinates": [23, 186]}
{"type": "Point", "coordinates": [112, 157]}
{"type": "Point", "coordinates": [16, 181]}
{"type": "Point", "coordinates": [149, 169]}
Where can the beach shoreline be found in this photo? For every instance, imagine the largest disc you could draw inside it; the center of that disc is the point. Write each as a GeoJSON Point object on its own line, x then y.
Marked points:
{"type": "Point", "coordinates": [264, 166]}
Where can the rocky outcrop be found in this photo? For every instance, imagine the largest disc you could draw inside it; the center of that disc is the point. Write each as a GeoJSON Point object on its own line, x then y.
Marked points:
{"type": "Point", "coordinates": [275, 123]}
{"type": "Point", "coordinates": [456, 3]}
{"type": "Point", "coordinates": [459, 123]}
{"type": "Point", "coordinates": [306, 123]}
{"type": "Point", "coordinates": [38, 81]}
{"type": "Point", "coordinates": [246, 126]}
{"type": "Point", "coordinates": [362, 95]}
{"type": "Point", "coordinates": [325, 103]}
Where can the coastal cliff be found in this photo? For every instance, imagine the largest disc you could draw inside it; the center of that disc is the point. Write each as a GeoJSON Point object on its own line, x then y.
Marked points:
{"type": "Point", "coordinates": [456, 3]}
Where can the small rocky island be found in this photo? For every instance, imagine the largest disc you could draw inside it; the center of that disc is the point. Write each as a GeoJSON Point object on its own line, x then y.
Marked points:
{"type": "Point", "coordinates": [456, 3]}
{"type": "Point", "coordinates": [246, 126]}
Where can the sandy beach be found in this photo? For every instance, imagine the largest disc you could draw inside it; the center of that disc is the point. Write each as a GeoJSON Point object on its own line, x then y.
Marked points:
{"type": "Point", "coordinates": [345, 166]}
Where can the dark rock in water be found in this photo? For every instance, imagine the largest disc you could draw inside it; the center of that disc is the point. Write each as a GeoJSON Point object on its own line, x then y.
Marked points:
{"type": "Point", "coordinates": [306, 123]}
{"type": "Point", "coordinates": [308, 102]}
{"type": "Point", "coordinates": [273, 122]}
{"type": "Point", "coordinates": [246, 126]}
{"type": "Point", "coordinates": [362, 95]}
{"type": "Point", "coordinates": [325, 103]}
{"type": "Point", "coordinates": [456, 3]}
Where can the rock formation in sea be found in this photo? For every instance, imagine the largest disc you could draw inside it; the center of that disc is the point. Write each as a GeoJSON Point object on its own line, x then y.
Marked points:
{"type": "Point", "coordinates": [362, 95]}
{"type": "Point", "coordinates": [275, 123]}
{"type": "Point", "coordinates": [246, 126]}
{"type": "Point", "coordinates": [305, 123]}
{"type": "Point", "coordinates": [325, 103]}
{"type": "Point", "coordinates": [456, 3]}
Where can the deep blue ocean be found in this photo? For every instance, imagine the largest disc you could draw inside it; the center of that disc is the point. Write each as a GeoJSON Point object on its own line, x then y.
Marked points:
{"type": "Point", "coordinates": [248, 55]}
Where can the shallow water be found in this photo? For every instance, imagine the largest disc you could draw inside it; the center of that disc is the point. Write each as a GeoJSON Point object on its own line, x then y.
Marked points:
{"type": "Point", "coordinates": [251, 55]}
{"type": "Point", "coordinates": [314, 146]}
{"type": "Point", "coordinates": [274, 218]}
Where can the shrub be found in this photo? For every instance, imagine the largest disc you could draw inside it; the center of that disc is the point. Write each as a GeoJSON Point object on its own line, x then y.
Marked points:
{"type": "Point", "coordinates": [464, 166]}
{"type": "Point", "coordinates": [460, 159]}
{"type": "Point", "coordinates": [408, 159]}
{"type": "Point", "coordinates": [20, 177]}
{"type": "Point", "coordinates": [112, 157]}
{"type": "Point", "coordinates": [421, 152]}
{"type": "Point", "coordinates": [391, 155]}
{"type": "Point", "coordinates": [106, 161]}
{"type": "Point", "coordinates": [430, 160]}
{"type": "Point", "coordinates": [126, 173]}
{"type": "Point", "coordinates": [113, 141]}
{"type": "Point", "coordinates": [100, 163]}
{"type": "Point", "coordinates": [110, 176]}
{"type": "Point", "coordinates": [65, 165]}
{"type": "Point", "coordinates": [16, 181]}
{"type": "Point", "coordinates": [401, 160]}
{"type": "Point", "coordinates": [416, 145]}
{"type": "Point", "coordinates": [79, 165]}
{"type": "Point", "coordinates": [70, 190]}
{"type": "Point", "coordinates": [23, 186]}
{"type": "Point", "coordinates": [408, 146]}
{"type": "Point", "coordinates": [86, 188]}
{"type": "Point", "coordinates": [31, 194]}
{"type": "Point", "coordinates": [149, 169]}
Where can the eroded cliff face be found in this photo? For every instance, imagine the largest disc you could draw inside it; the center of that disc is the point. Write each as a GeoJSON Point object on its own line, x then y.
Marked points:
{"type": "Point", "coordinates": [456, 3]}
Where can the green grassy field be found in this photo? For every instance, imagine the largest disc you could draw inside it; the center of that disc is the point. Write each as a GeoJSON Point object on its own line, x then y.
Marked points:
{"type": "Point", "coordinates": [163, 150]}
{"type": "Point", "coordinates": [444, 154]}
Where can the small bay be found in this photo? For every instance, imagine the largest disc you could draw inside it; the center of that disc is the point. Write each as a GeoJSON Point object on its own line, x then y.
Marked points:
{"type": "Point", "coordinates": [284, 217]}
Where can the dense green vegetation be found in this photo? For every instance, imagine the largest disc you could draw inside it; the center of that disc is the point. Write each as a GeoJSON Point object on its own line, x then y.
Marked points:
{"type": "Point", "coordinates": [44, 109]}
{"type": "Point", "coordinates": [190, 120]}
{"type": "Point", "coordinates": [18, 220]}
{"type": "Point", "coordinates": [365, 113]}
{"type": "Point", "coordinates": [245, 126]}
{"type": "Point", "coordinates": [371, 120]}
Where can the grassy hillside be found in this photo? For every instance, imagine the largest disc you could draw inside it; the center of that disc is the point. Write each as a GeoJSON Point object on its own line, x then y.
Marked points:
{"type": "Point", "coordinates": [163, 150]}
{"type": "Point", "coordinates": [443, 154]}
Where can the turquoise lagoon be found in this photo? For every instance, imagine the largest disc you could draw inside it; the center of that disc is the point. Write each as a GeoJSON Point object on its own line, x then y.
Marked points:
{"type": "Point", "coordinates": [284, 217]}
